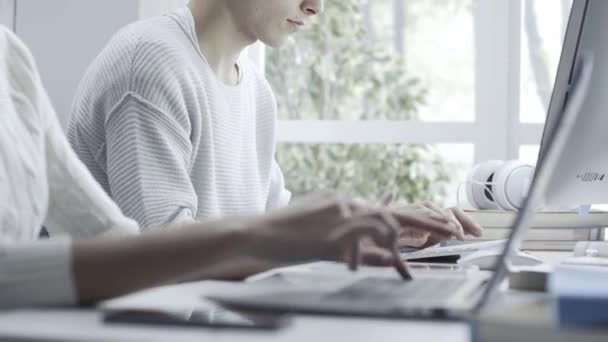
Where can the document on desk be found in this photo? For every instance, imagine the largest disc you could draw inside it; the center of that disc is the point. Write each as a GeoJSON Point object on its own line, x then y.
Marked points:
{"type": "Point", "coordinates": [580, 295]}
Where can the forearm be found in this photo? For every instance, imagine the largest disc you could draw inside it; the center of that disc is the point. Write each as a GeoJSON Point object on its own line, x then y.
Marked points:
{"type": "Point", "coordinates": [112, 267]}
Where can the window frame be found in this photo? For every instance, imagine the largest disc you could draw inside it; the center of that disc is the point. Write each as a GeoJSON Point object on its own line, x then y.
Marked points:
{"type": "Point", "coordinates": [496, 133]}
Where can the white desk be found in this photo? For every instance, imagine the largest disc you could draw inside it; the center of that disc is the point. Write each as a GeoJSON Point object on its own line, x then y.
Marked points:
{"type": "Point", "coordinates": [86, 325]}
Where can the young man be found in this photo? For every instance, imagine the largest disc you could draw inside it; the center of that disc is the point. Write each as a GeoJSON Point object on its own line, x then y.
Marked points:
{"type": "Point", "coordinates": [175, 125]}
{"type": "Point", "coordinates": [42, 182]}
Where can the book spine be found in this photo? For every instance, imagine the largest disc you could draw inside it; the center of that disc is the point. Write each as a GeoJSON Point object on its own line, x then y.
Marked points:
{"type": "Point", "coordinates": [544, 245]}
{"type": "Point", "coordinates": [557, 246]}
{"type": "Point", "coordinates": [589, 234]}
{"type": "Point", "coordinates": [504, 219]}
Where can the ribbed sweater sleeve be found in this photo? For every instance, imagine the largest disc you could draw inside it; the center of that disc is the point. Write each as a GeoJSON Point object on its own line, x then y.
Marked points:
{"type": "Point", "coordinates": [148, 170]}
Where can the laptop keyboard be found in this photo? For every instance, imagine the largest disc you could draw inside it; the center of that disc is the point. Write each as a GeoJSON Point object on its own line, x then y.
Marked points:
{"type": "Point", "coordinates": [455, 250]}
{"type": "Point", "coordinates": [427, 289]}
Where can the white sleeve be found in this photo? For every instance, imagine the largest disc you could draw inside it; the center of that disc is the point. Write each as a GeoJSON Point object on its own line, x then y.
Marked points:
{"type": "Point", "coordinates": [148, 157]}
{"type": "Point", "coordinates": [78, 205]}
{"type": "Point", "coordinates": [36, 274]}
{"type": "Point", "coordinates": [278, 196]}
{"type": "Point", "coordinates": [40, 272]}
{"type": "Point", "coordinates": [31, 273]}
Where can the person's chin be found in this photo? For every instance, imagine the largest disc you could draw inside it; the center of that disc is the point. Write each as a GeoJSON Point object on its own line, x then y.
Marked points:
{"type": "Point", "coordinates": [276, 41]}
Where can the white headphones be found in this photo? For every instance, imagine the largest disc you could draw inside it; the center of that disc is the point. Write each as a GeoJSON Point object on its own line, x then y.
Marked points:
{"type": "Point", "coordinates": [499, 185]}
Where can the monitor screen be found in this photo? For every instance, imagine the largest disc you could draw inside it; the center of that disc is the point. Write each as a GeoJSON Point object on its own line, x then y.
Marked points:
{"type": "Point", "coordinates": [580, 175]}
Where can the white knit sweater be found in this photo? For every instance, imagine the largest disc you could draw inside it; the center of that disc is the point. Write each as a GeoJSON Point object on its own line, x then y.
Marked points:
{"type": "Point", "coordinates": [166, 139]}
{"type": "Point", "coordinates": [42, 182]}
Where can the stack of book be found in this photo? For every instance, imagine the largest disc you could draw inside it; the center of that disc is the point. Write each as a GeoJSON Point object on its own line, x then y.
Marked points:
{"type": "Point", "coordinates": [549, 231]}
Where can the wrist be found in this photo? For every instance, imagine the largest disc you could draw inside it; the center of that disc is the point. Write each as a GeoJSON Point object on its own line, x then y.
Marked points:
{"type": "Point", "coordinates": [258, 238]}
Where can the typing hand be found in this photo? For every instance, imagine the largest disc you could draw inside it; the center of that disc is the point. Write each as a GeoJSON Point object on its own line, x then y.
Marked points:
{"type": "Point", "coordinates": [329, 227]}
{"type": "Point", "coordinates": [455, 219]}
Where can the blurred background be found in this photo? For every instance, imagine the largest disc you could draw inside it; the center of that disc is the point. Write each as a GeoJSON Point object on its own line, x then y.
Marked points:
{"type": "Point", "coordinates": [376, 95]}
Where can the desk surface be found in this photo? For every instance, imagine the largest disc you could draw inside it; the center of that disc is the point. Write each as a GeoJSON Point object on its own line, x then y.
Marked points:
{"type": "Point", "coordinates": [86, 325]}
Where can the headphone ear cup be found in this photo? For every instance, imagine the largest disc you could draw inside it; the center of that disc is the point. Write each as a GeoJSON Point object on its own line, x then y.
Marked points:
{"type": "Point", "coordinates": [512, 181]}
{"type": "Point", "coordinates": [479, 194]}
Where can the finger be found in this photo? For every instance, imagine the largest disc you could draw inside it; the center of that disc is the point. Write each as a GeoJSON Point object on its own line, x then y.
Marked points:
{"type": "Point", "coordinates": [350, 208]}
{"type": "Point", "coordinates": [355, 257]}
{"type": "Point", "coordinates": [413, 237]}
{"type": "Point", "coordinates": [360, 227]}
{"type": "Point", "coordinates": [433, 214]}
{"type": "Point", "coordinates": [459, 231]}
{"type": "Point", "coordinates": [417, 242]}
{"type": "Point", "coordinates": [406, 206]}
{"type": "Point", "coordinates": [384, 233]}
{"type": "Point", "coordinates": [399, 264]}
{"type": "Point", "coordinates": [433, 240]}
{"type": "Point", "coordinates": [460, 235]}
{"type": "Point", "coordinates": [437, 209]}
{"type": "Point", "coordinates": [366, 241]}
{"type": "Point", "coordinates": [401, 267]}
{"type": "Point", "coordinates": [448, 215]}
{"type": "Point", "coordinates": [421, 221]}
{"type": "Point", "coordinates": [413, 233]}
{"type": "Point", "coordinates": [345, 209]}
{"type": "Point", "coordinates": [469, 226]}
{"type": "Point", "coordinates": [375, 256]}
{"type": "Point", "coordinates": [352, 233]}
{"type": "Point", "coordinates": [388, 198]}
{"type": "Point", "coordinates": [419, 208]}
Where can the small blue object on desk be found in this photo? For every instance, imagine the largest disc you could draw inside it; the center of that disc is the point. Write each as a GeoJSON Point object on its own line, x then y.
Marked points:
{"type": "Point", "coordinates": [584, 209]}
{"type": "Point", "coordinates": [580, 295]}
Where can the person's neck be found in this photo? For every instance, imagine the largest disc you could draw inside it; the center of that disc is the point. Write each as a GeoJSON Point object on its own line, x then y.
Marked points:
{"type": "Point", "coordinates": [219, 38]}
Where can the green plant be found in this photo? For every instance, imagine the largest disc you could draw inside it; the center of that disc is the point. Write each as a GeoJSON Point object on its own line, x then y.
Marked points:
{"type": "Point", "coordinates": [334, 71]}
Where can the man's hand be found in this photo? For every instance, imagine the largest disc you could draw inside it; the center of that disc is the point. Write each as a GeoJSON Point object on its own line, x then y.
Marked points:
{"type": "Point", "coordinates": [329, 227]}
{"type": "Point", "coordinates": [457, 219]}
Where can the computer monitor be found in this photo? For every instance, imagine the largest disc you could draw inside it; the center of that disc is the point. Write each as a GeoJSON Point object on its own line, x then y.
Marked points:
{"type": "Point", "coordinates": [581, 174]}
{"type": "Point", "coordinates": [574, 103]}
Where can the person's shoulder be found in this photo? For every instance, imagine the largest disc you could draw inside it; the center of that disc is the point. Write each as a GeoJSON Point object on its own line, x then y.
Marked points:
{"type": "Point", "coordinates": [145, 36]}
{"type": "Point", "coordinates": [158, 47]}
{"type": "Point", "coordinates": [19, 63]}
{"type": "Point", "coordinates": [19, 75]}
{"type": "Point", "coordinates": [15, 55]}
{"type": "Point", "coordinates": [157, 37]}
{"type": "Point", "coordinates": [137, 53]}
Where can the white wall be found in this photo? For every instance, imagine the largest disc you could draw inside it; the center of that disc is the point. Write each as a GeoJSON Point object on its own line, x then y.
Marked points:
{"type": "Point", "coordinates": [7, 8]}
{"type": "Point", "coordinates": [66, 35]}
{"type": "Point", "coordinates": [150, 8]}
